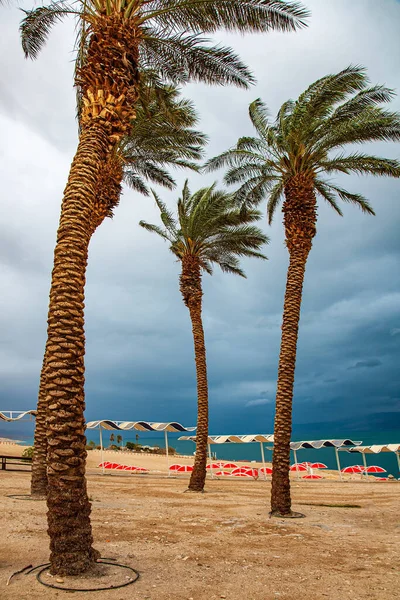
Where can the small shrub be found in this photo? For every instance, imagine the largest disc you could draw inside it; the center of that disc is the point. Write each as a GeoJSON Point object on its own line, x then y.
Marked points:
{"type": "Point", "coordinates": [133, 446]}
{"type": "Point", "coordinates": [28, 452]}
{"type": "Point", "coordinates": [113, 447]}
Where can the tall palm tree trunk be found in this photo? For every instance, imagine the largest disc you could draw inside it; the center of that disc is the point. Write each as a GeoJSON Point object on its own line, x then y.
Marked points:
{"type": "Point", "coordinates": [190, 285]}
{"type": "Point", "coordinates": [299, 217]}
{"type": "Point", "coordinates": [39, 460]}
{"type": "Point", "coordinates": [68, 505]}
{"type": "Point", "coordinates": [108, 191]}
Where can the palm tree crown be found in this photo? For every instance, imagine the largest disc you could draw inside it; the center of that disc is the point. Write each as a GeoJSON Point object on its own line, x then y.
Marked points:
{"type": "Point", "coordinates": [162, 136]}
{"type": "Point", "coordinates": [308, 137]}
{"type": "Point", "coordinates": [168, 32]}
{"type": "Point", "coordinates": [211, 228]}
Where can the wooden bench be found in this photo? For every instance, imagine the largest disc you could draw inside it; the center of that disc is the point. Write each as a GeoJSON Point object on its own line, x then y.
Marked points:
{"type": "Point", "coordinates": [13, 460]}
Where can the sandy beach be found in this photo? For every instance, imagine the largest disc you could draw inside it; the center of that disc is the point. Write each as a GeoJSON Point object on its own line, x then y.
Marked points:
{"type": "Point", "coordinates": [220, 544]}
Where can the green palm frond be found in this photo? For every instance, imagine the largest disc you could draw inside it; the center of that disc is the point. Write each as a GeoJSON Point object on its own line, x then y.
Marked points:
{"type": "Point", "coordinates": [336, 111]}
{"type": "Point", "coordinates": [259, 116]}
{"type": "Point", "coordinates": [170, 32]}
{"type": "Point", "coordinates": [166, 216]}
{"type": "Point", "coordinates": [179, 58]}
{"type": "Point", "coordinates": [241, 15]}
{"type": "Point", "coordinates": [361, 164]}
{"type": "Point", "coordinates": [356, 199]}
{"type": "Point", "coordinates": [275, 196]}
{"type": "Point", "coordinates": [155, 229]}
{"type": "Point", "coordinates": [211, 226]}
{"type": "Point", "coordinates": [37, 24]}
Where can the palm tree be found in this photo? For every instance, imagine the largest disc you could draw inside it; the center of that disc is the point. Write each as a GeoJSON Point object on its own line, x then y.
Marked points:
{"type": "Point", "coordinates": [289, 160]}
{"type": "Point", "coordinates": [119, 439]}
{"type": "Point", "coordinates": [117, 40]}
{"type": "Point", "coordinates": [208, 230]}
{"type": "Point", "coordinates": [161, 137]}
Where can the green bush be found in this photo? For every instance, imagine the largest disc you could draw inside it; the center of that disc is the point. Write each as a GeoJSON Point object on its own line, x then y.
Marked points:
{"type": "Point", "coordinates": [132, 446]}
{"type": "Point", "coordinates": [113, 447]}
{"type": "Point", "coordinates": [28, 452]}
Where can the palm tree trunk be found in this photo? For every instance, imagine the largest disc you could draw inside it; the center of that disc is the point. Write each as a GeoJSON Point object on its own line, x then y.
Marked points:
{"type": "Point", "coordinates": [108, 191]}
{"type": "Point", "coordinates": [39, 462]}
{"type": "Point", "coordinates": [190, 285]}
{"type": "Point", "coordinates": [68, 505]}
{"type": "Point", "coordinates": [300, 218]}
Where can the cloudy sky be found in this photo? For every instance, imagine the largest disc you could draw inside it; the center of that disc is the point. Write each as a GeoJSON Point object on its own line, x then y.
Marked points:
{"type": "Point", "coordinates": [139, 346]}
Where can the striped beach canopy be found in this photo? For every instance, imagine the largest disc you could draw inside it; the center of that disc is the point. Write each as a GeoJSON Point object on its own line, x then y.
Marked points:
{"type": "Point", "coordinates": [317, 444]}
{"type": "Point", "coordinates": [375, 449]}
{"type": "Point", "coordinates": [138, 425]}
{"type": "Point", "coordinates": [233, 439]}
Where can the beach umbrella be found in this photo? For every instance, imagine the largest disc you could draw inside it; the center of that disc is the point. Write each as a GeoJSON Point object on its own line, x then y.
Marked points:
{"type": "Point", "coordinates": [241, 470]}
{"type": "Point", "coordinates": [131, 468]}
{"type": "Point", "coordinates": [374, 469]}
{"type": "Point", "coordinates": [353, 469]}
{"type": "Point", "coordinates": [120, 467]}
{"type": "Point", "coordinates": [140, 470]}
{"type": "Point", "coordinates": [298, 467]}
{"type": "Point", "coordinates": [222, 473]}
{"type": "Point", "coordinates": [312, 477]}
{"type": "Point", "coordinates": [229, 466]}
{"type": "Point", "coordinates": [381, 478]}
{"type": "Point", "coordinates": [252, 472]}
{"type": "Point", "coordinates": [214, 466]}
{"type": "Point", "coordinates": [266, 470]}
{"type": "Point", "coordinates": [241, 474]}
{"type": "Point", "coordinates": [112, 465]}
{"type": "Point", "coordinates": [185, 469]}
{"type": "Point", "coordinates": [104, 464]}
{"type": "Point", "coordinates": [174, 467]}
{"type": "Point", "coordinates": [318, 466]}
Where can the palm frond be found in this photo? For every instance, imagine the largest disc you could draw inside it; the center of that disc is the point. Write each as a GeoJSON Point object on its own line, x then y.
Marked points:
{"type": "Point", "coordinates": [324, 190]}
{"type": "Point", "coordinates": [240, 15]}
{"type": "Point", "coordinates": [275, 196]}
{"type": "Point", "coordinates": [362, 164]}
{"type": "Point", "coordinates": [259, 116]}
{"type": "Point", "coordinates": [180, 57]}
{"type": "Point", "coordinates": [36, 26]}
{"type": "Point", "coordinates": [166, 216]}
{"type": "Point", "coordinates": [155, 229]}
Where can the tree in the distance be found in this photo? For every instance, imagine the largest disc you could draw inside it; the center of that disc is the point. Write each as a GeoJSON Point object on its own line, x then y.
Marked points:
{"type": "Point", "coordinates": [209, 230]}
{"type": "Point", "coordinates": [291, 160]}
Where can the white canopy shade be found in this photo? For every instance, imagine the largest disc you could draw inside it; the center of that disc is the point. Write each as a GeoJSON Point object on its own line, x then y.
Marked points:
{"type": "Point", "coordinates": [317, 444]}
{"type": "Point", "coordinates": [375, 449]}
{"type": "Point", "coordinates": [233, 439]}
{"type": "Point", "coordinates": [138, 425]}
{"type": "Point", "coordinates": [17, 415]}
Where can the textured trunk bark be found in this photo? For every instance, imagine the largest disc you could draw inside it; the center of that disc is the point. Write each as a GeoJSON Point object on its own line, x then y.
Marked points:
{"type": "Point", "coordinates": [190, 285]}
{"type": "Point", "coordinates": [108, 191]}
{"type": "Point", "coordinates": [299, 218]}
{"type": "Point", "coordinates": [68, 505]}
{"type": "Point", "coordinates": [39, 462]}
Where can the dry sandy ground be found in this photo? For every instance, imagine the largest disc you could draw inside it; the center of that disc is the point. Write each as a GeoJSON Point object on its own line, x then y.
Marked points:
{"type": "Point", "coordinates": [220, 544]}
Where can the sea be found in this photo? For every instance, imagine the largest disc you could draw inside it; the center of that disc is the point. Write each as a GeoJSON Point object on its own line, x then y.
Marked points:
{"type": "Point", "coordinates": [252, 452]}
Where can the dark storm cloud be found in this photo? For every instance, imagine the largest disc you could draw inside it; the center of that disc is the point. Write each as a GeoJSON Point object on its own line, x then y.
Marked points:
{"type": "Point", "coordinates": [366, 364]}
{"type": "Point", "coordinates": [139, 343]}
